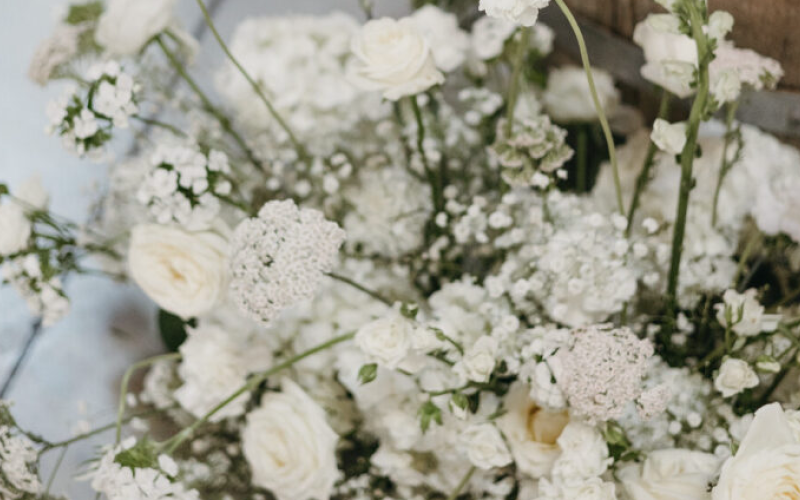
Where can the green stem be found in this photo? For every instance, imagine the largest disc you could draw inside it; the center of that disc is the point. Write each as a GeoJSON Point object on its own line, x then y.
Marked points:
{"type": "Point", "coordinates": [644, 175]}
{"type": "Point", "coordinates": [358, 286]}
{"type": "Point", "coordinates": [752, 243]}
{"type": "Point", "coordinates": [223, 120]}
{"type": "Point", "coordinates": [687, 157]}
{"type": "Point", "coordinates": [612, 151]}
{"type": "Point", "coordinates": [726, 164]}
{"type": "Point", "coordinates": [582, 174]}
{"type": "Point", "coordinates": [516, 77]}
{"type": "Point", "coordinates": [433, 179]}
{"type": "Point", "coordinates": [157, 123]}
{"type": "Point", "coordinates": [123, 390]}
{"type": "Point", "coordinates": [464, 480]}
{"type": "Point", "coordinates": [301, 151]}
{"type": "Point", "coordinates": [173, 443]}
{"type": "Point", "coordinates": [55, 472]}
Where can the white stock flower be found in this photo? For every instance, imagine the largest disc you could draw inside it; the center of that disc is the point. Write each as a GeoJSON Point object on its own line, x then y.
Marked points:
{"type": "Point", "coordinates": [671, 59]}
{"type": "Point", "coordinates": [386, 340]}
{"type": "Point", "coordinates": [735, 375]}
{"type": "Point", "coordinates": [746, 313]}
{"type": "Point", "coordinates": [767, 463]}
{"type": "Point", "coordinates": [15, 229]}
{"type": "Point", "coordinates": [489, 36]}
{"type": "Point", "coordinates": [532, 432]}
{"type": "Point", "coordinates": [479, 360]}
{"type": "Point", "coordinates": [449, 43]}
{"type": "Point", "coordinates": [394, 58]}
{"type": "Point", "coordinates": [726, 86]}
{"type": "Point", "coordinates": [720, 23]}
{"type": "Point", "coordinates": [184, 273]}
{"type": "Point", "coordinates": [671, 474]}
{"type": "Point", "coordinates": [125, 26]}
{"type": "Point", "coordinates": [485, 446]}
{"type": "Point", "coordinates": [669, 137]}
{"type": "Point", "coordinates": [567, 97]}
{"type": "Point", "coordinates": [290, 446]}
{"type": "Point", "coordinates": [523, 12]}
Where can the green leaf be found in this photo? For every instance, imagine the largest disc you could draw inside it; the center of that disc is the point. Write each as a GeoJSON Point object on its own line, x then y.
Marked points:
{"type": "Point", "coordinates": [143, 455]}
{"type": "Point", "coordinates": [84, 12]}
{"type": "Point", "coordinates": [173, 329]}
{"type": "Point", "coordinates": [3, 189]}
{"type": "Point", "coordinates": [460, 401]}
{"type": "Point", "coordinates": [409, 310]}
{"type": "Point", "coordinates": [367, 373]}
{"type": "Point", "coordinates": [429, 412]}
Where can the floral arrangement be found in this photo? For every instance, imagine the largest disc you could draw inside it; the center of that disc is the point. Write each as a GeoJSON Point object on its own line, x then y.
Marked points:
{"type": "Point", "coordinates": [409, 259]}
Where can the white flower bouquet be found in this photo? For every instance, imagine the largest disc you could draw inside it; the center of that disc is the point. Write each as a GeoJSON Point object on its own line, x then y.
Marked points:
{"type": "Point", "coordinates": [409, 259]}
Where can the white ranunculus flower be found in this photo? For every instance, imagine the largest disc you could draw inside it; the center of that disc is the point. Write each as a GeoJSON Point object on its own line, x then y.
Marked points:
{"type": "Point", "coordinates": [532, 432]}
{"type": "Point", "coordinates": [386, 340]}
{"type": "Point", "coordinates": [290, 446]}
{"type": "Point", "coordinates": [669, 137]}
{"type": "Point", "coordinates": [479, 361]}
{"type": "Point", "coordinates": [449, 43]}
{"type": "Point", "coordinates": [15, 229]}
{"type": "Point", "coordinates": [184, 273]}
{"type": "Point", "coordinates": [567, 97]}
{"type": "Point", "coordinates": [767, 463]}
{"type": "Point", "coordinates": [393, 57]}
{"type": "Point", "coordinates": [735, 375]}
{"type": "Point", "coordinates": [126, 26]}
{"type": "Point", "coordinates": [746, 313]}
{"type": "Point", "coordinates": [671, 59]}
{"type": "Point", "coordinates": [671, 474]}
{"type": "Point", "coordinates": [524, 12]}
{"type": "Point", "coordinates": [485, 446]}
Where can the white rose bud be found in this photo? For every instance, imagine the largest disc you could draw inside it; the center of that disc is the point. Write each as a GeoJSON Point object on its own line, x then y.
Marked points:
{"type": "Point", "coordinates": [746, 314]}
{"type": "Point", "coordinates": [669, 137]}
{"type": "Point", "coordinates": [479, 360]}
{"type": "Point", "coordinates": [670, 474]}
{"type": "Point", "coordinates": [184, 273]}
{"type": "Point", "coordinates": [735, 375]}
{"type": "Point", "coordinates": [126, 26]}
{"type": "Point", "coordinates": [485, 446]}
{"type": "Point", "coordinates": [15, 229]}
{"type": "Point", "coordinates": [524, 12]}
{"type": "Point", "coordinates": [386, 340]}
{"type": "Point", "coordinates": [393, 57]}
{"type": "Point", "coordinates": [290, 447]}
{"type": "Point", "coordinates": [767, 463]}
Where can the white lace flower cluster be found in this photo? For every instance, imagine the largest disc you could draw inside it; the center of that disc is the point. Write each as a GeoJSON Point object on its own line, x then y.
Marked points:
{"type": "Point", "coordinates": [34, 278]}
{"type": "Point", "coordinates": [85, 122]}
{"type": "Point", "coordinates": [184, 186]}
{"type": "Point", "coordinates": [119, 481]}
{"type": "Point", "coordinates": [18, 463]}
{"type": "Point", "coordinates": [280, 257]}
{"type": "Point", "coordinates": [534, 153]}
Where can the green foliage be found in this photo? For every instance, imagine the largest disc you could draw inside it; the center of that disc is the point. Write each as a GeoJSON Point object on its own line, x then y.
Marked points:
{"type": "Point", "coordinates": [368, 373]}
{"type": "Point", "coordinates": [173, 329]}
{"type": "Point", "coordinates": [428, 413]}
{"type": "Point", "coordinates": [80, 13]}
{"type": "Point", "coordinates": [142, 456]}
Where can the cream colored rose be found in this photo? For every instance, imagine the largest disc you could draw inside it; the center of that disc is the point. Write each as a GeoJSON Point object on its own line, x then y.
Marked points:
{"type": "Point", "coordinates": [532, 432]}
{"type": "Point", "coordinates": [669, 137]}
{"type": "Point", "coordinates": [393, 57]}
{"type": "Point", "coordinates": [671, 474]}
{"type": "Point", "coordinates": [184, 273]}
{"type": "Point", "coordinates": [767, 464]}
{"type": "Point", "coordinates": [734, 376]}
{"type": "Point", "coordinates": [290, 447]}
{"type": "Point", "coordinates": [126, 25]}
{"type": "Point", "coordinates": [386, 340]}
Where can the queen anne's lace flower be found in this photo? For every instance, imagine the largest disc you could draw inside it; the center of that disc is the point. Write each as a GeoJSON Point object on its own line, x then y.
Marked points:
{"type": "Point", "coordinates": [280, 257]}
{"type": "Point", "coordinates": [18, 459]}
{"type": "Point", "coordinates": [38, 284]}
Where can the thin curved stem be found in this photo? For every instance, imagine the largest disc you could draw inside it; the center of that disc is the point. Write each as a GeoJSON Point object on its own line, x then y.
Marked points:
{"type": "Point", "coordinates": [123, 390]}
{"type": "Point", "coordinates": [516, 76]}
{"type": "Point", "coordinates": [433, 179]}
{"type": "Point", "coordinates": [612, 151]}
{"type": "Point", "coordinates": [301, 151]}
{"type": "Point", "coordinates": [173, 443]}
{"type": "Point", "coordinates": [726, 165]}
{"type": "Point", "coordinates": [464, 480]}
{"type": "Point", "coordinates": [158, 123]}
{"type": "Point", "coordinates": [358, 286]}
{"type": "Point", "coordinates": [644, 175]}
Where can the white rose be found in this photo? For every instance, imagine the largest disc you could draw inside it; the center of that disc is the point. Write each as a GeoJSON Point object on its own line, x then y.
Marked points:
{"type": "Point", "coordinates": [489, 37]}
{"type": "Point", "coordinates": [184, 273]}
{"type": "Point", "coordinates": [767, 463]}
{"type": "Point", "coordinates": [746, 313]}
{"type": "Point", "coordinates": [671, 474]}
{"type": "Point", "coordinates": [15, 229]}
{"type": "Point", "coordinates": [590, 489]}
{"type": "Point", "coordinates": [290, 447]}
{"type": "Point", "coordinates": [126, 25]}
{"type": "Point", "coordinates": [568, 99]}
{"type": "Point", "coordinates": [735, 375]}
{"type": "Point", "coordinates": [669, 137]}
{"type": "Point", "coordinates": [393, 57]}
{"type": "Point", "coordinates": [524, 12]}
{"type": "Point", "coordinates": [386, 340]}
{"type": "Point", "coordinates": [479, 361]}
{"type": "Point", "coordinates": [449, 43]}
{"type": "Point", "coordinates": [584, 453]}
{"type": "Point", "coordinates": [671, 59]}
{"type": "Point", "coordinates": [485, 446]}
{"type": "Point", "coordinates": [532, 432]}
